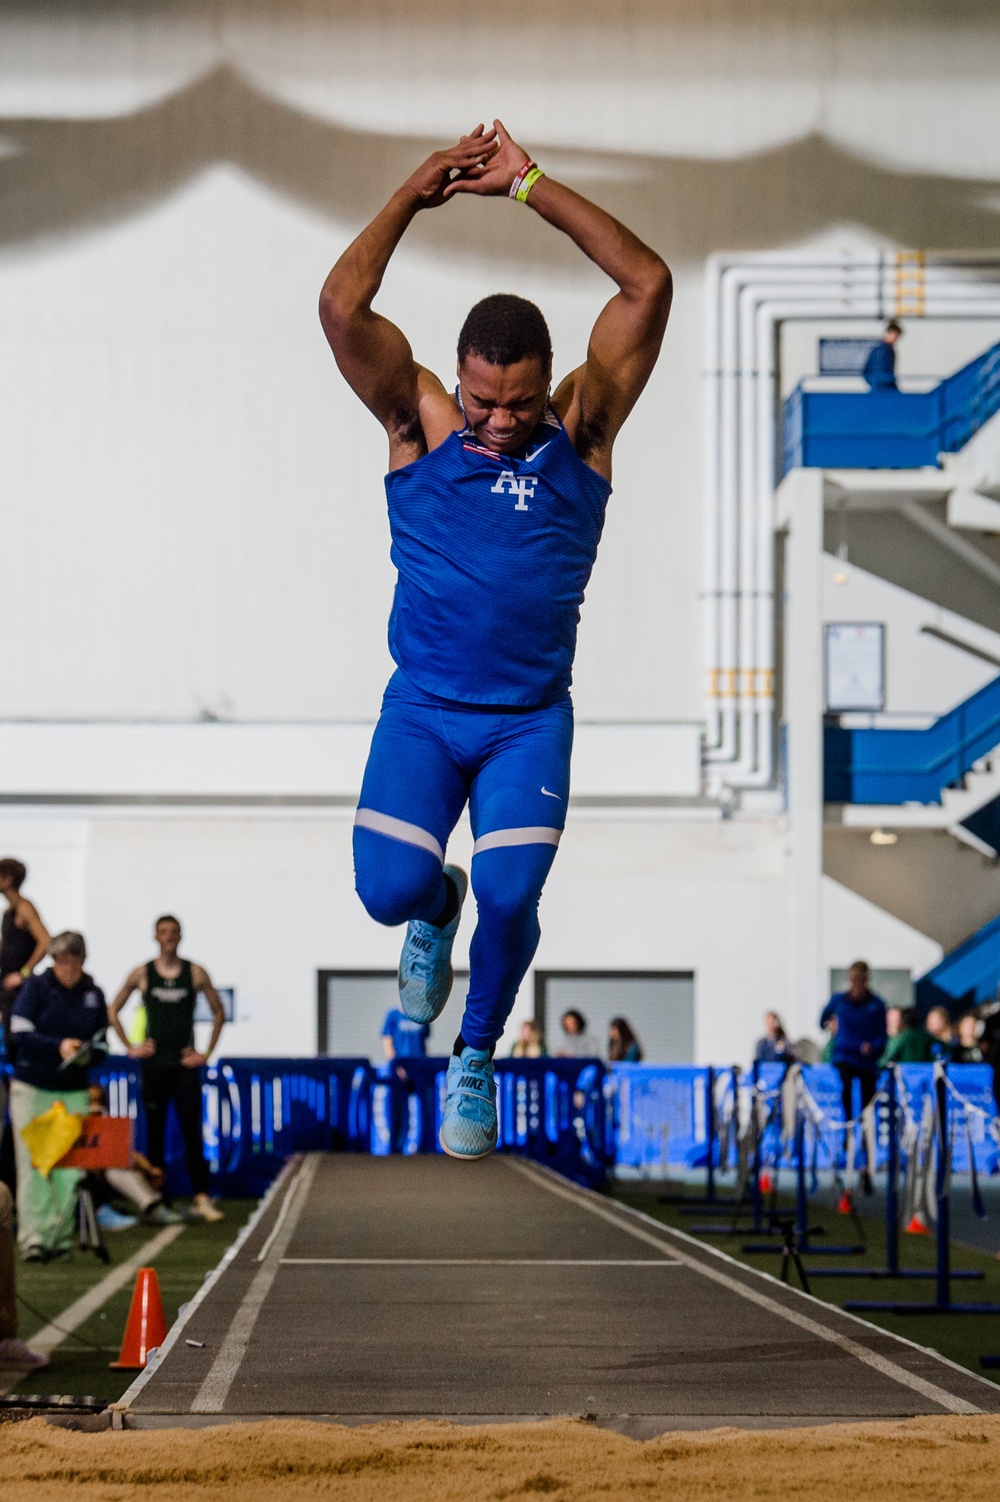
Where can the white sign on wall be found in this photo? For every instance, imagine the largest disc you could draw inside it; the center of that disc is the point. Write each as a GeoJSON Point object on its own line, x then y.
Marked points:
{"type": "Point", "coordinates": [855, 666]}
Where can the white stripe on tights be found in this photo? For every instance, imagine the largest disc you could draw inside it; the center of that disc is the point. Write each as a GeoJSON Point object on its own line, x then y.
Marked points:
{"type": "Point", "coordinates": [534, 834]}
{"type": "Point", "coordinates": [398, 829]}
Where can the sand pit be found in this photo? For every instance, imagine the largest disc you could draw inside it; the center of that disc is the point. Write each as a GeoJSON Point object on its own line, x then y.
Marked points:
{"type": "Point", "coordinates": [440, 1462]}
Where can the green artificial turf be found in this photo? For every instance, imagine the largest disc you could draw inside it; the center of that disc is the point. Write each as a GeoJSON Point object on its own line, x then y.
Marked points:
{"type": "Point", "coordinates": [79, 1366]}
{"type": "Point", "coordinates": [963, 1338]}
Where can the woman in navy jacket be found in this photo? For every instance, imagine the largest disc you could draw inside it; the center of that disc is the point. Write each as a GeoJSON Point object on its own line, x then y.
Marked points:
{"type": "Point", "coordinates": [859, 1040]}
{"type": "Point", "coordinates": [57, 1013]}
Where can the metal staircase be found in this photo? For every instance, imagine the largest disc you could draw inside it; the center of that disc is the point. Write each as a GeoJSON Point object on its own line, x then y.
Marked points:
{"type": "Point", "coordinates": [890, 429]}
{"type": "Point", "coordinates": [954, 763]}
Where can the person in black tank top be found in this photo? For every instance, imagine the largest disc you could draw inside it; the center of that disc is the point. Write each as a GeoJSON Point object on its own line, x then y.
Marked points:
{"type": "Point", "coordinates": [24, 943]}
{"type": "Point", "coordinates": [24, 940]}
{"type": "Point", "coordinates": [171, 1064]}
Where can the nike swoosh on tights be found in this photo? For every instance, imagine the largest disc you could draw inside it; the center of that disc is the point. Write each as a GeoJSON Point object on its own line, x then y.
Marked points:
{"type": "Point", "coordinates": [551, 795]}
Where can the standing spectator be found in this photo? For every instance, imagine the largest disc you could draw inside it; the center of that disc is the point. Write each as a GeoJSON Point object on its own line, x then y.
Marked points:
{"type": "Point", "coordinates": [576, 1041]}
{"type": "Point", "coordinates": [965, 1048]}
{"type": "Point", "coordinates": [402, 1038]}
{"type": "Point", "coordinates": [529, 1042]}
{"type": "Point", "coordinates": [24, 941]}
{"type": "Point", "coordinates": [880, 367]}
{"type": "Point", "coordinates": [623, 1045]}
{"type": "Point", "coordinates": [23, 944]}
{"type": "Point", "coordinates": [911, 1044]}
{"type": "Point", "coordinates": [938, 1025]}
{"type": "Point", "coordinates": [859, 1041]}
{"type": "Point", "coordinates": [56, 1013]}
{"type": "Point", "coordinates": [774, 1047]}
{"type": "Point", "coordinates": [15, 1356]}
{"type": "Point", "coordinates": [170, 1062]}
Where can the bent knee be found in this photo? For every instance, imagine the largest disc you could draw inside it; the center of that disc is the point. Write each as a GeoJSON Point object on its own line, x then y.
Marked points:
{"type": "Point", "coordinates": [395, 883]}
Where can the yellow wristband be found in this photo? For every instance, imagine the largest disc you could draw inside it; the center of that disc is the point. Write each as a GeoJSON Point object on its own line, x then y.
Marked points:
{"type": "Point", "coordinates": [25, 971]}
{"type": "Point", "coordinates": [526, 184]}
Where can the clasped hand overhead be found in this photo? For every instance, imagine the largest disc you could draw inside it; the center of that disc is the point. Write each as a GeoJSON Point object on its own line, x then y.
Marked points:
{"type": "Point", "coordinates": [485, 162]}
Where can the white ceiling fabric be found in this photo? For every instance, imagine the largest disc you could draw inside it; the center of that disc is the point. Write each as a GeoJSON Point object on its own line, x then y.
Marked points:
{"type": "Point", "coordinates": [909, 94]}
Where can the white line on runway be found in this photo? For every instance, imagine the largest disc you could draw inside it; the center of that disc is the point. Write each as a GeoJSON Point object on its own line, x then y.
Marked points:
{"type": "Point", "coordinates": [546, 1178]}
{"type": "Point", "coordinates": [479, 1262]}
{"type": "Point", "coordinates": [212, 1393]}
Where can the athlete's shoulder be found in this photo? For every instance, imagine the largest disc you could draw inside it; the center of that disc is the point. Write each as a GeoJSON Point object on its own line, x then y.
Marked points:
{"type": "Point", "coordinates": [588, 430]}
{"type": "Point", "coordinates": [421, 431]}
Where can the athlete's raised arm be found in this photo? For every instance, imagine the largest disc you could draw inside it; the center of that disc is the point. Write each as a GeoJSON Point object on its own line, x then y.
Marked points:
{"type": "Point", "coordinates": [594, 400]}
{"type": "Point", "coordinates": [374, 356]}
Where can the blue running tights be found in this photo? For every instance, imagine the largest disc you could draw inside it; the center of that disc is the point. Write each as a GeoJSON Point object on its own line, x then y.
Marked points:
{"type": "Point", "coordinates": [426, 762]}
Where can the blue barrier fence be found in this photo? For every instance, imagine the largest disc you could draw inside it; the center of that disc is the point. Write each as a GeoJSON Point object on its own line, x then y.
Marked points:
{"type": "Point", "coordinates": [662, 1116]}
{"type": "Point", "coordinates": [579, 1117]}
{"type": "Point", "coordinates": [258, 1111]}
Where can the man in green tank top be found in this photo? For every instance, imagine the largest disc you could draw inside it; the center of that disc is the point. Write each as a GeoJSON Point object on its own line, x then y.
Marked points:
{"type": "Point", "coordinates": [170, 1062]}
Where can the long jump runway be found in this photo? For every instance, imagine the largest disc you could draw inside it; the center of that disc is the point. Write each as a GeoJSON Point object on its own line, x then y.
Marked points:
{"type": "Point", "coordinates": [371, 1288]}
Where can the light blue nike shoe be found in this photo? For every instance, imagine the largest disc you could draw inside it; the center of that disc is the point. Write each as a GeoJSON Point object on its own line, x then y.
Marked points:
{"type": "Point", "coordinates": [469, 1124]}
{"type": "Point", "coordinates": [425, 973]}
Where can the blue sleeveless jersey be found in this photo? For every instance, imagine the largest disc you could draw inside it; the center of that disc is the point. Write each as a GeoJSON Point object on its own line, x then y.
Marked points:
{"type": "Point", "coordinates": [493, 554]}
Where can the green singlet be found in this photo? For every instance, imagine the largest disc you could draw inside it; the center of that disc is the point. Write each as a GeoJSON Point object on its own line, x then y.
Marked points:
{"type": "Point", "coordinates": [170, 1012]}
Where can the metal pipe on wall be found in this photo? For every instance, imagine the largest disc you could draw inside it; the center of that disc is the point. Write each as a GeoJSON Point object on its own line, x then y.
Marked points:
{"type": "Point", "coordinates": [747, 300]}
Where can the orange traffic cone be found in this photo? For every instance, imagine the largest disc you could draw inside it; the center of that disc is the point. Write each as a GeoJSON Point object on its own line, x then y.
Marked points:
{"type": "Point", "coordinates": [146, 1326]}
{"type": "Point", "coordinates": [918, 1227]}
{"type": "Point", "coordinates": [766, 1183]}
{"type": "Point", "coordinates": [846, 1204]}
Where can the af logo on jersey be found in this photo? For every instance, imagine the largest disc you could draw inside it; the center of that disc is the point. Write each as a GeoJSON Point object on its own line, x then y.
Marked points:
{"type": "Point", "coordinates": [523, 486]}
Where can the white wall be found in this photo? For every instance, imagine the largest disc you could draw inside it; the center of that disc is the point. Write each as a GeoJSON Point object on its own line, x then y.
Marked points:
{"type": "Point", "coordinates": [924, 676]}
{"type": "Point", "coordinates": [204, 494]}
{"type": "Point", "coordinates": [267, 902]}
{"type": "Point", "coordinates": [180, 454]}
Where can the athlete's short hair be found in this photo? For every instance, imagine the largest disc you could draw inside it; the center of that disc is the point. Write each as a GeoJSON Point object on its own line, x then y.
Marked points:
{"type": "Point", "coordinates": [503, 329]}
{"type": "Point", "coordinates": [16, 870]}
{"type": "Point", "coordinates": [166, 918]}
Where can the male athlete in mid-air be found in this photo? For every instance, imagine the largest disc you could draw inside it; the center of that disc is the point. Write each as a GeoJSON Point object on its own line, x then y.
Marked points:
{"type": "Point", "coordinates": [496, 504]}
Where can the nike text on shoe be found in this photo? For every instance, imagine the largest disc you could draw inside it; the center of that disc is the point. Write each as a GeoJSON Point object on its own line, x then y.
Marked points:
{"type": "Point", "coordinates": [469, 1124]}
{"type": "Point", "coordinates": [425, 973]}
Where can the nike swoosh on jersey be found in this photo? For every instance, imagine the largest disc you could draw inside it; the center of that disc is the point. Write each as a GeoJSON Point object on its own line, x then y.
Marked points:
{"type": "Point", "coordinates": [551, 795]}
{"type": "Point", "coordinates": [530, 458]}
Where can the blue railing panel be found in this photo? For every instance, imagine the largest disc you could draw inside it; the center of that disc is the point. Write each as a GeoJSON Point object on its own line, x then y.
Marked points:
{"type": "Point", "coordinates": [890, 429]}
{"type": "Point", "coordinates": [968, 976]}
{"type": "Point", "coordinates": [911, 766]}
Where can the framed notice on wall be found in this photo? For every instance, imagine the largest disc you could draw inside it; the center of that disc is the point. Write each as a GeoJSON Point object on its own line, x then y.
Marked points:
{"type": "Point", "coordinates": [855, 666]}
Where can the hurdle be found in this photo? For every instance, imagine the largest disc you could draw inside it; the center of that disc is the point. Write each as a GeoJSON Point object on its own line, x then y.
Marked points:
{"type": "Point", "coordinates": [943, 1303]}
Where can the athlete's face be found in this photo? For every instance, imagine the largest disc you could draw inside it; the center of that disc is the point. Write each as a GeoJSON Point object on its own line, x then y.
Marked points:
{"type": "Point", "coordinates": [168, 936]}
{"type": "Point", "coordinates": [503, 403]}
